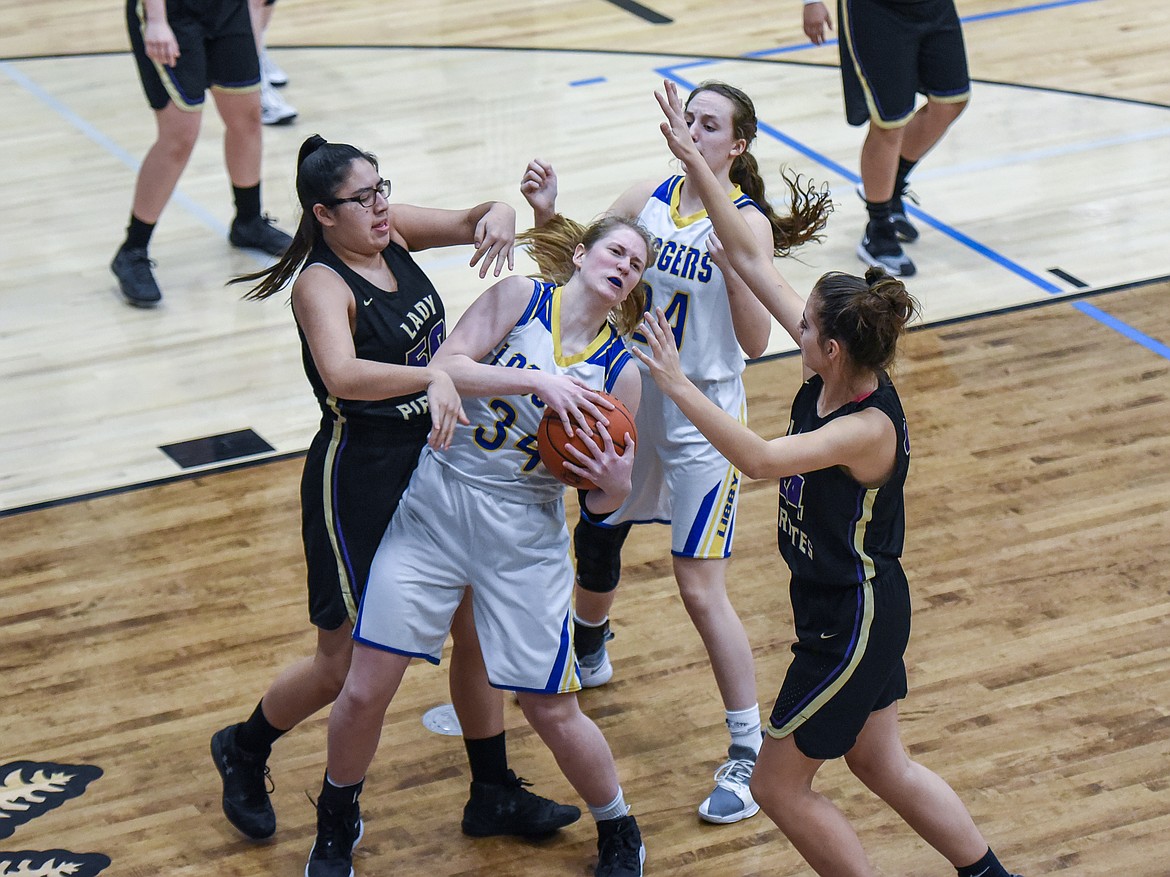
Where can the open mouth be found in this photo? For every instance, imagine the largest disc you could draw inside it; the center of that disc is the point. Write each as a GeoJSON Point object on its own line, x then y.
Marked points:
{"type": "Point", "coordinates": [615, 282]}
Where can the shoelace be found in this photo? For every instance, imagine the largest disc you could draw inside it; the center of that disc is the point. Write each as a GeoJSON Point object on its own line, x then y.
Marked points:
{"type": "Point", "coordinates": [623, 848]}
{"type": "Point", "coordinates": [735, 770]}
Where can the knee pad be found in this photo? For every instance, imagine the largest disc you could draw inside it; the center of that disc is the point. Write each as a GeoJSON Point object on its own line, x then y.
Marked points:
{"type": "Point", "coordinates": [599, 554]}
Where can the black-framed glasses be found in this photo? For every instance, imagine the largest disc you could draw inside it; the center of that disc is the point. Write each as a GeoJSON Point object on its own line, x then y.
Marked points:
{"type": "Point", "coordinates": [364, 197]}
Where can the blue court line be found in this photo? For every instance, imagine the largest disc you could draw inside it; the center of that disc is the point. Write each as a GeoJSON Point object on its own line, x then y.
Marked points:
{"type": "Point", "coordinates": [986, 252]}
{"type": "Point", "coordinates": [591, 81]}
{"type": "Point", "coordinates": [97, 136]}
{"type": "Point", "coordinates": [1151, 344]}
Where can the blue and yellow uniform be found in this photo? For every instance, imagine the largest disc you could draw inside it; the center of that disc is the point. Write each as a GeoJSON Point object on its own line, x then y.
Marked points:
{"type": "Point", "coordinates": [486, 513]}
{"type": "Point", "coordinates": [679, 478]}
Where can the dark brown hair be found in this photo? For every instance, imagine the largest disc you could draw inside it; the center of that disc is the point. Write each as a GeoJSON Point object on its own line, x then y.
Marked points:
{"type": "Point", "coordinates": [809, 204]}
{"type": "Point", "coordinates": [866, 315]}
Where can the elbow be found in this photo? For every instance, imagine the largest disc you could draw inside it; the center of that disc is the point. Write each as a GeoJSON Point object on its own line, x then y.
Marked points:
{"type": "Point", "coordinates": [756, 349]}
{"type": "Point", "coordinates": [755, 471]}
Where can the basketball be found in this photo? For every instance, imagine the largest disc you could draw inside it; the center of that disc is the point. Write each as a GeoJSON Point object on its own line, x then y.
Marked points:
{"type": "Point", "coordinates": [551, 440]}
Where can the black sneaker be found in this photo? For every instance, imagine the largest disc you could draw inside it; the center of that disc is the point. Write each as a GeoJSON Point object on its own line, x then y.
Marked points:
{"type": "Point", "coordinates": [246, 803]}
{"type": "Point", "coordinates": [510, 809]}
{"type": "Point", "coordinates": [903, 227]}
{"type": "Point", "coordinates": [338, 832]}
{"type": "Point", "coordinates": [880, 249]}
{"type": "Point", "coordinates": [136, 280]}
{"type": "Point", "coordinates": [620, 852]}
{"type": "Point", "coordinates": [258, 233]}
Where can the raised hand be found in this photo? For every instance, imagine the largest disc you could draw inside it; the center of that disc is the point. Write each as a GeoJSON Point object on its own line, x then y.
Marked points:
{"type": "Point", "coordinates": [662, 356]}
{"type": "Point", "coordinates": [675, 129]}
{"type": "Point", "coordinates": [539, 188]}
{"type": "Point", "coordinates": [495, 236]}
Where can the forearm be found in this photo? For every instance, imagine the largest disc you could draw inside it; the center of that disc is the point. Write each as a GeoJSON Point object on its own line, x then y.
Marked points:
{"type": "Point", "coordinates": [156, 11]}
{"type": "Point", "coordinates": [602, 503]}
{"type": "Point", "coordinates": [366, 380]}
{"type": "Point", "coordinates": [473, 378]}
{"type": "Point", "coordinates": [743, 448]}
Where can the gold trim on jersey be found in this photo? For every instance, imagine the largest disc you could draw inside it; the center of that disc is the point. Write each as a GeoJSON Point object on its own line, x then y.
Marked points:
{"type": "Point", "coordinates": [331, 519]}
{"type": "Point", "coordinates": [860, 529]}
{"type": "Point", "coordinates": [681, 221]}
{"type": "Point", "coordinates": [839, 682]}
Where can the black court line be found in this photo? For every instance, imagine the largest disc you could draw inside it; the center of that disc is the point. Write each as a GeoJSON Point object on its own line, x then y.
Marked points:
{"type": "Point", "coordinates": [643, 12]}
{"type": "Point", "coordinates": [1052, 301]}
{"type": "Point", "coordinates": [1068, 278]}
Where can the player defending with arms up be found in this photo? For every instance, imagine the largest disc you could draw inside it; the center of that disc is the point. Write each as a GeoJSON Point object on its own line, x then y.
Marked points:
{"type": "Point", "coordinates": [842, 468]}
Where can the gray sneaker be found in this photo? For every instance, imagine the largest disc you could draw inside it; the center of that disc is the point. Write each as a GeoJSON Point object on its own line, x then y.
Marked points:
{"type": "Point", "coordinates": [879, 248]}
{"type": "Point", "coordinates": [731, 800]}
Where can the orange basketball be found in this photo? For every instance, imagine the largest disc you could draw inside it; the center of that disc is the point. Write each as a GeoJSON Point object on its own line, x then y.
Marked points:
{"type": "Point", "coordinates": [551, 440]}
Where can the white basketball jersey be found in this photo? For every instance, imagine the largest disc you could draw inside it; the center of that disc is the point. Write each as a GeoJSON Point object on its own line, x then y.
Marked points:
{"type": "Point", "coordinates": [689, 287]}
{"type": "Point", "coordinates": [497, 451]}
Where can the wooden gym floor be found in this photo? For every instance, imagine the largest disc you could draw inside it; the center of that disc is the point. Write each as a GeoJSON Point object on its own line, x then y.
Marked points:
{"type": "Point", "coordinates": [144, 605]}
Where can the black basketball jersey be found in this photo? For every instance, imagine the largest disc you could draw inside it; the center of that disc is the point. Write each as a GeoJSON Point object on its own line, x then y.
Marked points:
{"type": "Point", "coordinates": [830, 528]}
{"type": "Point", "coordinates": [404, 327]}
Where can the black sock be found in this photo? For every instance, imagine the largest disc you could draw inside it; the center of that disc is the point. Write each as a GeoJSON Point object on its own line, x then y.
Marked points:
{"type": "Point", "coordinates": [247, 202]}
{"type": "Point", "coordinates": [588, 638]}
{"type": "Point", "coordinates": [257, 735]}
{"type": "Point", "coordinates": [988, 866]}
{"type": "Point", "coordinates": [879, 211]}
{"type": "Point", "coordinates": [338, 798]}
{"type": "Point", "coordinates": [905, 165]}
{"type": "Point", "coordinates": [138, 234]}
{"type": "Point", "coordinates": [488, 758]}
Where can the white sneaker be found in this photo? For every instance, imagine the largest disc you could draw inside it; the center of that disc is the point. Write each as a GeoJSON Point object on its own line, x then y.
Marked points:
{"type": "Point", "coordinates": [596, 669]}
{"type": "Point", "coordinates": [272, 72]}
{"type": "Point", "coordinates": [274, 109]}
{"type": "Point", "coordinates": [731, 800]}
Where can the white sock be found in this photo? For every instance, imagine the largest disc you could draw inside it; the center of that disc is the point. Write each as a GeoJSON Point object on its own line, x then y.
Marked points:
{"type": "Point", "coordinates": [614, 809]}
{"type": "Point", "coordinates": [744, 726]}
{"type": "Point", "coordinates": [577, 619]}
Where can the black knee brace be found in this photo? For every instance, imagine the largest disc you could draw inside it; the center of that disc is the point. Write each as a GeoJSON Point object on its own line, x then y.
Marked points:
{"type": "Point", "coordinates": [599, 554]}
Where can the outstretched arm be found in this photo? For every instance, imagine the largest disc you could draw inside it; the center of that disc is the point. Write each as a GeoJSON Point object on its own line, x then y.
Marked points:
{"type": "Point", "coordinates": [490, 227]}
{"type": "Point", "coordinates": [863, 443]}
{"type": "Point", "coordinates": [746, 252]}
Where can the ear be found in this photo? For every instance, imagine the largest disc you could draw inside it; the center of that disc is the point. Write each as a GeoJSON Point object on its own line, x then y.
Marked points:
{"type": "Point", "coordinates": [832, 349]}
{"type": "Point", "coordinates": [739, 147]}
{"type": "Point", "coordinates": [323, 215]}
{"type": "Point", "coordinates": [579, 255]}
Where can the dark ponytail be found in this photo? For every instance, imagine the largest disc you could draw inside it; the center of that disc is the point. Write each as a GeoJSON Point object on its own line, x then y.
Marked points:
{"type": "Point", "coordinates": [321, 170]}
{"type": "Point", "coordinates": [809, 205]}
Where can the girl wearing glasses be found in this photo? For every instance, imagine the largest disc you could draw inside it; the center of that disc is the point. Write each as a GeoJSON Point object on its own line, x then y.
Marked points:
{"type": "Point", "coordinates": [485, 519]}
{"type": "Point", "coordinates": [369, 320]}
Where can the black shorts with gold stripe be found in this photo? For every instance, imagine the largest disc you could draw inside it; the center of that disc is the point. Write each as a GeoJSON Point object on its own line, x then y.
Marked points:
{"type": "Point", "coordinates": [847, 661]}
{"type": "Point", "coordinates": [891, 50]}
{"type": "Point", "coordinates": [216, 50]}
